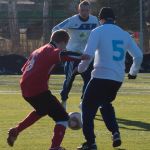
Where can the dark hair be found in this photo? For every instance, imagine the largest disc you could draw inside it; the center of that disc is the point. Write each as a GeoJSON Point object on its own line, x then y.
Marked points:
{"type": "Point", "coordinates": [85, 3]}
{"type": "Point", "coordinates": [107, 13]}
{"type": "Point", "coordinates": [60, 36]}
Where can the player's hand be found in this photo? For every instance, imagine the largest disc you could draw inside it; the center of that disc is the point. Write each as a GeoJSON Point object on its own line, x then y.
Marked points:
{"type": "Point", "coordinates": [131, 76]}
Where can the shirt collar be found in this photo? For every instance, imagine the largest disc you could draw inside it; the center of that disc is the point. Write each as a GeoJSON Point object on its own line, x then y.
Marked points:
{"type": "Point", "coordinates": [82, 19]}
{"type": "Point", "coordinates": [109, 22]}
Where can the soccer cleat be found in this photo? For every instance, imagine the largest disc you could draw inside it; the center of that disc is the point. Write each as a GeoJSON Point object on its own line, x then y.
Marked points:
{"type": "Point", "coordinates": [58, 148]}
{"type": "Point", "coordinates": [86, 146]}
{"type": "Point", "coordinates": [64, 104]}
{"type": "Point", "coordinates": [116, 139]}
{"type": "Point", "coordinates": [12, 136]}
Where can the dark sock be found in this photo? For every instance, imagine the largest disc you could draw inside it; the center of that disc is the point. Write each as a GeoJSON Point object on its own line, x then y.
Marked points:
{"type": "Point", "coordinates": [59, 132]}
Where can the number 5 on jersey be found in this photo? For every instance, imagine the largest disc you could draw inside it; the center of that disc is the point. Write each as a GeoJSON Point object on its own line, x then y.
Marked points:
{"type": "Point", "coordinates": [118, 48]}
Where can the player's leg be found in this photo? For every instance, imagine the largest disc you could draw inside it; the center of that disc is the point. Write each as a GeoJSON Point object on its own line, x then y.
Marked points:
{"type": "Point", "coordinates": [109, 117]}
{"type": "Point", "coordinates": [104, 95]}
{"type": "Point", "coordinates": [38, 104]}
{"type": "Point", "coordinates": [86, 76]}
{"type": "Point", "coordinates": [68, 69]}
{"type": "Point", "coordinates": [90, 105]}
{"type": "Point", "coordinates": [28, 121]}
{"type": "Point", "coordinates": [108, 112]}
{"type": "Point", "coordinates": [60, 116]}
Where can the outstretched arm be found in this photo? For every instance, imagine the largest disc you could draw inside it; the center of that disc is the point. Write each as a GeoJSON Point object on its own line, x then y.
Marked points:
{"type": "Point", "coordinates": [89, 51]}
{"type": "Point", "coordinates": [72, 56]}
{"type": "Point", "coordinates": [63, 25]}
{"type": "Point", "coordinates": [137, 56]}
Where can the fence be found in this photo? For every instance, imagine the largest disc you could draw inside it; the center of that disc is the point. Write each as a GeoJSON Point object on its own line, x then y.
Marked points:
{"type": "Point", "coordinates": [29, 18]}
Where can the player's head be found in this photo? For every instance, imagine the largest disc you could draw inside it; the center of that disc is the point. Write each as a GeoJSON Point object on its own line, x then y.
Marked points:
{"type": "Point", "coordinates": [60, 38]}
{"type": "Point", "coordinates": [106, 14]}
{"type": "Point", "coordinates": [84, 9]}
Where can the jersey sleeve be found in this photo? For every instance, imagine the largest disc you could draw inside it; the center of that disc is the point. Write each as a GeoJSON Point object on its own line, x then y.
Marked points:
{"type": "Point", "coordinates": [63, 25]}
{"type": "Point", "coordinates": [84, 64]}
{"type": "Point", "coordinates": [136, 54]}
{"type": "Point", "coordinates": [90, 49]}
{"type": "Point", "coordinates": [70, 56]}
{"type": "Point", "coordinates": [92, 44]}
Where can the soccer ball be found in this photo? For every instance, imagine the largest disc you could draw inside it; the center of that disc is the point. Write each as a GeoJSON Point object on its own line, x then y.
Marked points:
{"type": "Point", "coordinates": [75, 122]}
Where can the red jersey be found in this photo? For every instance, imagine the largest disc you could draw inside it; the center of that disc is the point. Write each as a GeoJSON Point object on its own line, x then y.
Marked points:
{"type": "Point", "coordinates": [36, 71]}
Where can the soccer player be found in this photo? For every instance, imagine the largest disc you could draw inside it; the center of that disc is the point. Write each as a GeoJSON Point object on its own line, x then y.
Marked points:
{"type": "Point", "coordinates": [79, 27]}
{"type": "Point", "coordinates": [108, 45]}
{"type": "Point", "coordinates": [34, 87]}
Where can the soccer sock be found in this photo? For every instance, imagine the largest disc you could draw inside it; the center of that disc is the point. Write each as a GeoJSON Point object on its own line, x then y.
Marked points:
{"type": "Point", "coordinates": [59, 132]}
{"type": "Point", "coordinates": [28, 121]}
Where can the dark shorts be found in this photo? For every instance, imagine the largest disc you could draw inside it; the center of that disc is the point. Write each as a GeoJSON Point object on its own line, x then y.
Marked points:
{"type": "Point", "coordinates": [47, 104]}
{"type": "Point", "coordinates": [101, 91]}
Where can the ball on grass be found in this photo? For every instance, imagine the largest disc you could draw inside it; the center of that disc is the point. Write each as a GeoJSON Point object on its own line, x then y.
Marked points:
{"type": "Point", "coordinates": [75, 122]}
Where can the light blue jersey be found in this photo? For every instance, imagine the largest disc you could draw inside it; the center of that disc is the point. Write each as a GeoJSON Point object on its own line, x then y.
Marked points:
{"type": "Point", "coordinates": [109, 44]}
{"type": "Point", "coordinates": [78, 30]}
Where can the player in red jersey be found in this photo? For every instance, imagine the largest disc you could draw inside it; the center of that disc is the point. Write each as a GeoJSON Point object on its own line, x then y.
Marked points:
{"type": "Point", "coordinates": [34, 87]}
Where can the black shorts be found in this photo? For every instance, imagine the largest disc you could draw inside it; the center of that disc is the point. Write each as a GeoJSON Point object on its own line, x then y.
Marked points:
{"type": "Point", "coordinates": [47, 104]}
{"type": "Point", "coordinates": [101, 91]}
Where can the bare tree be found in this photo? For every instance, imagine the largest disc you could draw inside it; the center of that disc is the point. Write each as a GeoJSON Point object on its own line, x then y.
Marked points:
{"type": "Point", "coordinates": [46, 29]}
{"type": "Point", "coordinates": [13, 25]}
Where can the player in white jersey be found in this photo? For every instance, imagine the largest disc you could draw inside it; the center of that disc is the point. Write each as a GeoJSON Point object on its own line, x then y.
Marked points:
{"type": "Point", "coordinates": [79, 27]}
{"type": "Point", "coordinates": [108, 45]}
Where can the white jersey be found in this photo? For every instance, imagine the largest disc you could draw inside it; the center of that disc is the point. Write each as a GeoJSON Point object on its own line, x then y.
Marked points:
{"type": "Point", "coordinates": [78, 31]}
{"type": "Point", "coordinates": [109, 44]}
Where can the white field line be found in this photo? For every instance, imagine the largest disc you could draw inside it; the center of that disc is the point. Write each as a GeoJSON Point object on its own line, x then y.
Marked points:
{"type": "Point", "coordinates": [76, 93]}
{"type": "Point", "coordinates": [77, 80]}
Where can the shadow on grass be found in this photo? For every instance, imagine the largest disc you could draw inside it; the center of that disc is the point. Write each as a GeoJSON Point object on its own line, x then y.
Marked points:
{"type": "Point", "coordinates": [143, 126]}
{"type": "Point", "coordinates": [119, 149]}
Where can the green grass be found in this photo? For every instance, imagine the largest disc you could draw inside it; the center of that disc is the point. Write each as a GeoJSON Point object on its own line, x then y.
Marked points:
{"type": "Point", "coordinates": [132, 109]}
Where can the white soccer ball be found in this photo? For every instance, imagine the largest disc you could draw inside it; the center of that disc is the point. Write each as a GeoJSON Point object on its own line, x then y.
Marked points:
{"type": "Point", "coordinates": [75, 122]}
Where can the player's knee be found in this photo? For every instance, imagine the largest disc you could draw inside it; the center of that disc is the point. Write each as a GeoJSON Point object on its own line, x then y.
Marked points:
{"type": "Point", "coordinates": [65, 117]}
{"type": "Point", "coordinates": [106, 108]}
{"type": "Point", "coordinates": [61, 118]}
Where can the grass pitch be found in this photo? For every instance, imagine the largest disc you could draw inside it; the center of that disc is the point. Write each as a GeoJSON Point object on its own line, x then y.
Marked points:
{"type": "Point", "coordinates": [132, 110]}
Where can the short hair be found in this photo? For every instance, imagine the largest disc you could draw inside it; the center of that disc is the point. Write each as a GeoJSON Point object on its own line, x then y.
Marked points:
{"type": "Point", "coordinates": [60, 36]}
{"type": "Point", "coordinates": [85, 3]}
{"type": "Point", "coordinates": [107, 13]}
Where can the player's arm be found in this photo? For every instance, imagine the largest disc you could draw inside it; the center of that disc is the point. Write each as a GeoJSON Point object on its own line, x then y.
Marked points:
{"type": "Point", "coordinates": [137, 56]}
{"type": "Point", "coordinates": [63, 25]}
{"type": "Point", "coordinates": [71, 56]}
{"type": "Point", "coordinates": [89, 51]}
